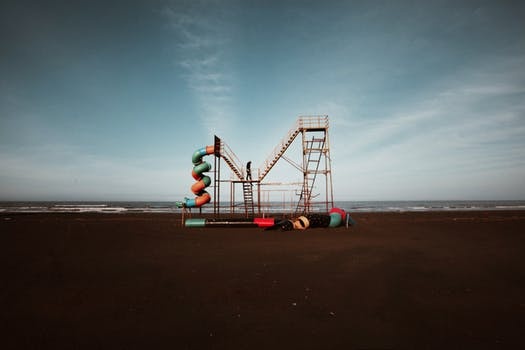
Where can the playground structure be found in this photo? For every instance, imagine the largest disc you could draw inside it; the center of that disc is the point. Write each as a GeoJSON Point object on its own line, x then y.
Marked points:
{"type": "Point", "coordinates": [314, 193]}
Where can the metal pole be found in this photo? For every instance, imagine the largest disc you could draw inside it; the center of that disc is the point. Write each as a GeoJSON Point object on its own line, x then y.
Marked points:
{"type": "Point", "coordinates": [217, 181]}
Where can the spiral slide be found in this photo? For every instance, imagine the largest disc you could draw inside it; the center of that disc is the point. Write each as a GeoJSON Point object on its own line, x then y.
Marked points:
{"type": "Point", "coordinates": [203, 181]}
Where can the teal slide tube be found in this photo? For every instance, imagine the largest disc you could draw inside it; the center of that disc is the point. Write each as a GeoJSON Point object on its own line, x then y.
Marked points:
{"type": "Point", "coordinates": [195, 223]}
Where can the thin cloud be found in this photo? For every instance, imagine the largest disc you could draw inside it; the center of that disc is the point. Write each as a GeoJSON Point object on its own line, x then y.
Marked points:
{"type": "Point", "coordinates": [455, 109]}
{"type": "Point", "coordinates": [202, 41]}
{"type": "Point", "coordinates": [474, 124]}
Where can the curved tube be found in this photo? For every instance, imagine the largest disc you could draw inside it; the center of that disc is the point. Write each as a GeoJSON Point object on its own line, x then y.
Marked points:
{"type": "Point", "coordinates": [203, 181]}
{"type": "Point", "coordinates": [337, 217]}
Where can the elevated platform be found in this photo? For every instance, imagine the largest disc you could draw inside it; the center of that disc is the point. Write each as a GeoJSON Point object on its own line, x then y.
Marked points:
{"type": "Point", "coordinates": [316, 163]}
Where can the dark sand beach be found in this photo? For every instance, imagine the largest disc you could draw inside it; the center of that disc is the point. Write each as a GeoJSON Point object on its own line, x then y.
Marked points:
{"type": "Point", "coordinates": [395, 281]}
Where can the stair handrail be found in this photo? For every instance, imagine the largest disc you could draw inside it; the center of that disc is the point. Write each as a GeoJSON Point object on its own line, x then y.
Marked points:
{"type": "Point", "coordinates": [279, 149]}
{"type": "Point", "coordinates": [232, 160]}
{"type": "Point", "coordinates": [302, 123]}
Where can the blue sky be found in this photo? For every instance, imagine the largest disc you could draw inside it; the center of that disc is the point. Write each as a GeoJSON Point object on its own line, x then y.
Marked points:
{"type": "Point", "coordinates": [107, 100]}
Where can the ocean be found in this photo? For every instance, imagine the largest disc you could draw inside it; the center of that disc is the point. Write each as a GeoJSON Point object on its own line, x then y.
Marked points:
{"type": "Point", "coordinates": [273, 207]}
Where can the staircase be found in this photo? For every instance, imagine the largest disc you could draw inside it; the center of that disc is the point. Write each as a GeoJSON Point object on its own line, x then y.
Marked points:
{"type": "Point", "coordinates": [248, 199]}
{"type": "Point", "coordinates": [233, 162]}
{"type": "Point", "coordinates": [278, 152]}
{"type": "Point", "coordinates": [311, 123]}
{"type": "Point", "coordinates": [231, 159]}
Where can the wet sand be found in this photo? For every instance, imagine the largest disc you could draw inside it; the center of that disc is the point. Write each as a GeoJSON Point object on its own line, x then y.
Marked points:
{"type": "Point", "coordinates": [394, 281]}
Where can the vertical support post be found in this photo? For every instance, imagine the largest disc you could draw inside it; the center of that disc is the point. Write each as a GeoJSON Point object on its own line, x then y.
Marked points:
{"type": "Point", "coordinates": [328, 167]}
{"type": "Point", "coordinates": [304, 193]}
{"type": "Point", "coordinates": [259, 197]}
{"type": "Point", "coordinates": [232, 196]}
{"type": "Point", "coordinates": [215, 173]}
{"type": "Point", "coordinates": [217, 177]}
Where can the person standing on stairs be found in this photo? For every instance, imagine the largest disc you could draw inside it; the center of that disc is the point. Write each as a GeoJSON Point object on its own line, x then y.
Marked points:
{"type": "Point", "coordinates": [249, 171]}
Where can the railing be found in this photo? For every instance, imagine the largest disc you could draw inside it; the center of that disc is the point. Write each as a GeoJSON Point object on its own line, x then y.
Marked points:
{"type": "Point", "coordinates": [231, 159]}
{"type": "Point", "coordinates": [312, 122]}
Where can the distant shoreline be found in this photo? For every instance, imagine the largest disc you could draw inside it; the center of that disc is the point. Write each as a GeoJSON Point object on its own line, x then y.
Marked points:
{"type": "Point", "coordinates": [168, 207]}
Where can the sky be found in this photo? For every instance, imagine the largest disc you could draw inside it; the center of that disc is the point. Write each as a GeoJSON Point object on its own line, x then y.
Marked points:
{"type": "Point", "coordinates": [107, 100]}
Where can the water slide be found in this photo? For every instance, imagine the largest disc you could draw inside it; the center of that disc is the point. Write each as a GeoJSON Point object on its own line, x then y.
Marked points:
{"type": "Point", "coordinates": [203, 181]}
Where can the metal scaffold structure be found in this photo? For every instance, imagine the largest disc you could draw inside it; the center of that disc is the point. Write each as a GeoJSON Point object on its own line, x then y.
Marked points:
{"type": "Point", "coordinates": [313, 193]}
{"type": "Point", "coordinates": [316, 162]}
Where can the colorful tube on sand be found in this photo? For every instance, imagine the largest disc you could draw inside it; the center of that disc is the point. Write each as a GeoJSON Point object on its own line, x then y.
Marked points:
{"type": "Point", "coordinates": [336, 217]}
{"type": "Point", "coordinates": [203, 181]}
{"type": "Point", "coordinates": [257, 222]}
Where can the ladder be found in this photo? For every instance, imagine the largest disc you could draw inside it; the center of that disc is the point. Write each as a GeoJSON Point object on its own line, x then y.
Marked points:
{"type": "Point", "coordinates": [313, 151]}
{"type": "Point", "coordinates": [247, 188]}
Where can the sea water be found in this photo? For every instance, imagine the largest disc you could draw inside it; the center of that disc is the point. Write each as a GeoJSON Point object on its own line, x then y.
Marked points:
{"type": "Point", "coordinates": [272, 207]}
